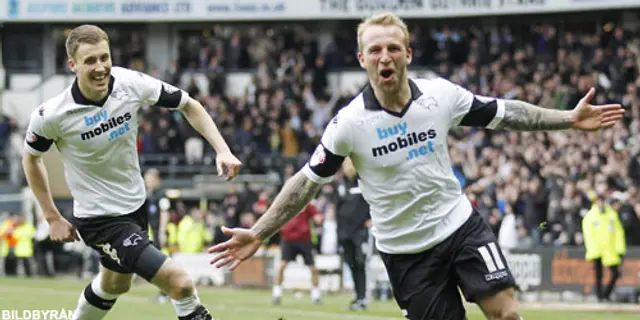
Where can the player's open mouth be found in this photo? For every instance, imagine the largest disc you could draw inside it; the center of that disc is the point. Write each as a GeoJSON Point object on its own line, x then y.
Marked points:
{"type": "Point", "coordinates": [100, 79]}
{"type": "Point", "coordinates": [386, 74]}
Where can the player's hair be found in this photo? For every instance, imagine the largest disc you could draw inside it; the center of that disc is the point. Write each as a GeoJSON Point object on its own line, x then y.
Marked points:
{"type": "Point", "coordinates": [383, 19]}
{"type": "Point", "coordinates": [85, 33]}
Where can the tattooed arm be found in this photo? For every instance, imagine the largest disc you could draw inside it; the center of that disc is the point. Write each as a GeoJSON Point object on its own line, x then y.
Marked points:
{"type": "Point", "coordinates": [296, 193]}
{"type": "Point", "coordinates": [523, 116]}
{"type": "Point", "coordinates": [472, 110]}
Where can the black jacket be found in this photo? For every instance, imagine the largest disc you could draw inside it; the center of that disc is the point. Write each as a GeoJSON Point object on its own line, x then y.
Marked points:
{"type": "Point", "coordinates": [352, 210]}
{"type": "Point", "coordinates": [153, 208]}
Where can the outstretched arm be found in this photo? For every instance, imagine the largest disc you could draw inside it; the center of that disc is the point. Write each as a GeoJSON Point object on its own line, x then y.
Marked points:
{"type": "Point", "coordinates": [492, 113]}
{"type": "Point", "coordinates": [294, 196]}
{"type": "Point", "coordinates": [154, 92]}
{"type": "Point", "coordinates": [296, 193]}
{"type": "Point", "coordinates": [204, 124]}
{"type": "Point", "coordinates": [523, 116]}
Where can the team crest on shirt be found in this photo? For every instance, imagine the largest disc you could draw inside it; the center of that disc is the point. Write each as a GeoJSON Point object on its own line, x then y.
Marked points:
{"type": "Point", "coordinates": [428, 103]}
{"type": "Point", "coordinates": [318, 157]}
{"type": "Point", "coordinates": [132, 240]}
{"type": "Point", "coordinates": [118, 95]}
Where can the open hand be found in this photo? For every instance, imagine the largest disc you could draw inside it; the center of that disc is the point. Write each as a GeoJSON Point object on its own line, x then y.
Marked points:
{"type": "Point", "coordinates": [588, 117]}
{"type": "Point", "coordinates": [242, 245]}
{"type": "Point", "coordinates": [227, 165]}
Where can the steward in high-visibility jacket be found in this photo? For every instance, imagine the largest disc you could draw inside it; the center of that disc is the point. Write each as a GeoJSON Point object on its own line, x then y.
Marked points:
{"type": "Point", "coordinates": [7, 237]}
{"type": "Point", "coordinates": [20, 239]}
{"type": "Point", "coordinates": [172, 238]}
{"type": "Point", "coordinates": [604, 236]}
{"type": "Point", "coordinates": [193, 233]}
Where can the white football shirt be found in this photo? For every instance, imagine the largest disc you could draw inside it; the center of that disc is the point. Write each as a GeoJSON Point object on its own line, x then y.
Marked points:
{"type": "Point", "coordinates": [97, 140]}
{"type": "Point", "coordinates": [402, 160]}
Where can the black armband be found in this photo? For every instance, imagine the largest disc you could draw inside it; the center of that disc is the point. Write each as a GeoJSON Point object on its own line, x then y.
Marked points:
{"type": "Point", "coordinates": [170, 97]}
{"type": "Point", "coordinates": [481, 113]}
{"type": "Point", "coordinates": [325, 163]}
{"type": "Point", "coordinates": [38, 142]}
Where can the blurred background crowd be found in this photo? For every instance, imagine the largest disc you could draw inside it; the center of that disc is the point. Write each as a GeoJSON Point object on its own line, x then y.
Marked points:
{"type": "Point", "coordinates": [532, 188]}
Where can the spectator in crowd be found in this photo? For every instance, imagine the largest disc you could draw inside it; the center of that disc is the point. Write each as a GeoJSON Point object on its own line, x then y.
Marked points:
{"type": "Point", "coordinates": [629, 216]}
{"type": "Point", "coordinates": [508, 234]}
{"type": "Point", "coordinates": [7, 125]}
{"type": "Point", "coordinates": [544, 179]}
{"type": "Point", "coordinates": [193, 233]}
{"type": "Point", "coordinates": [17, 237]}
{"type": "Point", "coordinates": [44, 249]}
{"type": "Point", "coordinates": [157, 216]}
{"type": "Point", "coordinates": [297, 240]}
{"type": "Point", "coordinates": [354, 221]}
{"type": "Point", "coordinates": [532, 187]}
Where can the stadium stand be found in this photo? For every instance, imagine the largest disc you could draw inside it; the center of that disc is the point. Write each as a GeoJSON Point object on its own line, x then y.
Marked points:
{"type": "Point", "coordinates": [539, 177]}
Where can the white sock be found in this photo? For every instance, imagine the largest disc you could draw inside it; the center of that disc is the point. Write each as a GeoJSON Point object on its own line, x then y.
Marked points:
{"type": "Point", "coordinates": [88, 311]}
{"type": "Point", "coordinates": [186, 306]}
{"type": "Point", "coordinates": [315, 293]}
{"type": "Point", "coordinates": [96, 286]}
{"type": "Point", "coordinates": [277, 291]}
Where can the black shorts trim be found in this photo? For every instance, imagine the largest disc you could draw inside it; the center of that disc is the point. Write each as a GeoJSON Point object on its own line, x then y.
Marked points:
{"type": "Point", "coordinates": [120, 240]}
{"type": "Point", "coordinates": [291, 249]}
{"type": "Point", "coordinates": [425, 284]}
{"type": "Point", "coordinates": [151, 260]}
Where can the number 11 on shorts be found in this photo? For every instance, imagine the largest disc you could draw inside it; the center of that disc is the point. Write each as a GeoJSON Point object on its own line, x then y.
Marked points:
{"type": "Point", "coordinates": [493, 261]}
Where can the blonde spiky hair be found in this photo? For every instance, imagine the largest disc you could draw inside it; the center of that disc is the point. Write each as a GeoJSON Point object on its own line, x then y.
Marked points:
{"type": "Point", "coordinates": [383, 19]}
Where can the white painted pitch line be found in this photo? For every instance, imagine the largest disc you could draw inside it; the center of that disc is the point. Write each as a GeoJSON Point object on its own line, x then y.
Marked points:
{"type": "Point", "coordinates": [580, 306]}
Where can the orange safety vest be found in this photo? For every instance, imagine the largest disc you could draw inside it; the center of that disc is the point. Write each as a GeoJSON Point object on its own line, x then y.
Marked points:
{"type": "Point", "coordinates": [11, 240]}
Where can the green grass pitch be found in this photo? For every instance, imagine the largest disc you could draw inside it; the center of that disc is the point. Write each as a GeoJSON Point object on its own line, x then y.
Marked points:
{"type": "Point", "coordinates": [234, 304]}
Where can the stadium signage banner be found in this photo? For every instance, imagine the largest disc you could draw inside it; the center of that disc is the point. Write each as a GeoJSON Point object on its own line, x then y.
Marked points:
{"type": "Point", "coordinates": [221, 10]}
{"type": "Point", "coordinates": [565, 269]}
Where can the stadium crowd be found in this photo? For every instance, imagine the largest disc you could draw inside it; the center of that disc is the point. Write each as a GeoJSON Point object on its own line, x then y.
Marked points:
{"type": "Point", "coordinates": [543, 182]}
{"type": "Point", "coordinates": [532, 188]}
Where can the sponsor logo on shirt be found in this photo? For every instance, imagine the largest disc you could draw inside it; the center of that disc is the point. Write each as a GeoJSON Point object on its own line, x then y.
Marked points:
{"type": "Point", "coordinates": [397, 138]}
{"type": "Point", "coordinates": [91, 120]}
{"type": "Point", "coordinates": [116, 126]}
